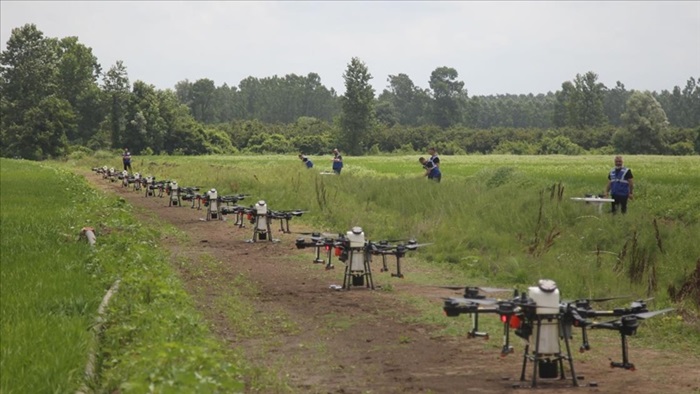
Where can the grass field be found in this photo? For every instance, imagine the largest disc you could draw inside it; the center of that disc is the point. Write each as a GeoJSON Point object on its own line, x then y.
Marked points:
{"type": "Point", "coordinates": [52, 284]}
{"type": "Point", "coordinates": [494, 220]}
{"type": "Point", "coordinates": [507, 219]}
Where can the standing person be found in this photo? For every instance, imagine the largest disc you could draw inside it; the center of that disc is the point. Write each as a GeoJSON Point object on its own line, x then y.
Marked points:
{"type": "Point", "coordinates": [431, 170]}
{"type": "Point", "coordinates": [435, 160]}
{"type": "Point", "coordinates": [337, 161]}
{"type": "Point", "coordinates": [126, 160]}
{"type": "Point", "coordinates": [620, 185]}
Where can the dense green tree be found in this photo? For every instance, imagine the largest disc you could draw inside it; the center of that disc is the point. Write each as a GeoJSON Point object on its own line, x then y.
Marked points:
{"type": "Point", "coordinates": [145, 128]}
{"type": "Point", "coordinates": [406, 102]}
{"type": "Point", "coordinates": [117, 92]}
{"type": "Point", "coordinates": [644, 125]}
{"type": "Point", "coordinates": [28, 68]}
{"type": "Point", "coordinates": [358, 115]}
{"type": "Point", "coordinates": [588, 101]}
{"type": "Point", "coordinates": [78, 72]}
{"type": "Point", "coordinates": [449, 96]}
{"type": "Point", "coordinates": [614, 103]}
{"type": "Point", "coordinates": [202, 101]}
{"type": "Point", "coordinates": [43, 132]}
{"type": "Point", "coordinates": [580, 104]}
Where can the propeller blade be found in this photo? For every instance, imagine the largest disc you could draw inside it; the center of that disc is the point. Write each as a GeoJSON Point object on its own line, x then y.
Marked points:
{"type": "Point", "coordinates": [452, 287]}
{"type": "Point", "coordinates": [494, 290]}
{"type": "Point", "coordinates": [415, 246]}
{"type": "Point", "coordinates": [647, 315]}
{"type": "Point", "coordinates": [462, 300]}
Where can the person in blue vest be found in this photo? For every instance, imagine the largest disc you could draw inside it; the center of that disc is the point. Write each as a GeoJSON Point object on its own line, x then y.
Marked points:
{"type": "Point", "coordinates": [620, 185]}
{"type": "Point", "coordinates": [337, 161]}
{"type": "Point", "coordinates": [431, 170]}
{"type": "Point", "coordinates": [308, 163]}
{"type": "Point", "coordinates": [305, 160]}
{"type": "Point", "coordinates": [126, 160]}
{"type": "Point", "coordinates": [434, 165]}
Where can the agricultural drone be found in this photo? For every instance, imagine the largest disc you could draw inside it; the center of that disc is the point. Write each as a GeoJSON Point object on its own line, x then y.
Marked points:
{"type": "Point", "coordinates": [356, 252]}
{"type": "Point", "coordinates": [542, 320]}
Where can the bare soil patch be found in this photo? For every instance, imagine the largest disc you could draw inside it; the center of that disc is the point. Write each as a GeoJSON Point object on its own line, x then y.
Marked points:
{"type": "Point", "coordinates": [356, 341]}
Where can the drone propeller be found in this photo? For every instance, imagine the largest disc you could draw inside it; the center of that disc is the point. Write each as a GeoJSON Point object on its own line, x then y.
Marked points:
{"type": "Point", "coordinates": [589, 300]}
{"type": "Point", "coordinates": [616, 324]}
{"type": "Point", "coordinates": [484, 289]}
{"type": "Point", "coordinates": [647, 315]}
{"type": "Point", "coordinates": [412, 246]}
{"type": "Point", "coordinates": [640, 303]}
{"type": "Point", "coordinates": [318, 235]}
{"type": "Point", "coordinates": [393, 241]}
{"type": "Point", "coordinates": [467, 301]}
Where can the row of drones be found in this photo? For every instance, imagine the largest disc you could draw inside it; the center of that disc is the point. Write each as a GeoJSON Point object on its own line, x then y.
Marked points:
{"type": "Point", "coordinates": [351, 247]}
{"type": "Point", "coordinates": [216, 206]}
{"type": "Point", "coordinates": [538, 316]}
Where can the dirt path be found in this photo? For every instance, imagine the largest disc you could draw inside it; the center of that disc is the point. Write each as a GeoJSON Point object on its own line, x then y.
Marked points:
{"type": "Point", "coordinates": [325, 341]}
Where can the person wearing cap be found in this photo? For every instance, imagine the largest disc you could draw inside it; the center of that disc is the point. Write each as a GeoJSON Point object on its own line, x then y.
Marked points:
{"type": "Point", "coordinates": [620, 185]}
{"type": "Point", "coordinates": [337, 161]}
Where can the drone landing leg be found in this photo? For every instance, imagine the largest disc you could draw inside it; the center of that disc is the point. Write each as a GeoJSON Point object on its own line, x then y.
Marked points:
{"type": "Point", "coordinates": [269, 230]}
{"type": "Point", "coordinates": [475, 328]}
{"type": "Point", "coordinates": [574, 378]}
{"type": "Point", "coordinates": [347, 277]}
{"type": "Point", "coordinates": [626, 364]}
{"type": "Point", "coordinates": [384, 267]}
{"type": "Point", "coordinates": [318, 259]}
{"type": "Point", "coordinates": [585, 345]}
{"type": "Point", "coordinates": [525, 357]}
{"type": "Point", "coordinates": [535, 363]}
{"type": "Point", "coordinates": [368, 272]}
{"type": "Point", "coordinates": [506, 338]}
{"type": "Point", "coordinates": [398, 273]}
{"type": "Point", "coordinates": [286, 222]}
{"type": "Point", "coordinates": [329, 266]}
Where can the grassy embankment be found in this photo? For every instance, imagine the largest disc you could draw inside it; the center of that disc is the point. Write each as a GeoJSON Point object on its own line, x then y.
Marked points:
{"type": "Point", "coordinates": [52, 284]}
{"type": "Point", "coordinates": [494, 220]}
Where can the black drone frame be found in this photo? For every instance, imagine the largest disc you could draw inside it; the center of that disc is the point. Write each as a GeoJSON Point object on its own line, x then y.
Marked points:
{"type": "Point", "coordinates": [284, 217]}
{"type": "Point", "coordinates": [318, 241]}
{"type": "Point", "coordinates": [567, 315]}
{"type": "Point", "coordinates": [384, 248]}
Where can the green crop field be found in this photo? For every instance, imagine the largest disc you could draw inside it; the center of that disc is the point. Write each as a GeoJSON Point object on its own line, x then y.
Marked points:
{"type": "Point", "coordinates": [494, 220]}
{"type": "Point", "coordinates": [52, 284]}
{"type": "Point", "coordinates": [508, 219]}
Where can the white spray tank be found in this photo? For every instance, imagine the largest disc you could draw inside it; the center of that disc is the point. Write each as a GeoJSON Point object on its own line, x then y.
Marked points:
{"type": "Point", "coordinates": [174, 193]}
{"type": "Point", "coordinates": [149, 183]}
{"type": "Point", "coordinates": [261, 215]}
{"type": "Point", "coordinates": [546, 296]}
{"type": "Point", "coordinates": [213, 208]}
{"type": "Point", "coordinates": [356, 237]}
{"type": "Point", "coordinates": [125, 178]}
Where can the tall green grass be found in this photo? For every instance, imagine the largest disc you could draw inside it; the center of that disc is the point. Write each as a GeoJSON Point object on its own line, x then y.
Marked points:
{"type": "Point", "coordinates": [501, 220]}
{"type": "Point", "coordinates": [153, 338]}
{"type": "Point", "coordinates": [48, 298]}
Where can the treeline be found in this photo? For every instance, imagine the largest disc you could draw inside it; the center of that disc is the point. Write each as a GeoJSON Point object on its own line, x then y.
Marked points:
{"type": "Point", "coordinates": [56, 98]}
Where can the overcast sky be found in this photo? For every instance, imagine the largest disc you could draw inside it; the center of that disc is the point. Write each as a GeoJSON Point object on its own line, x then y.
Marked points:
{"type": "Point", "coordinates": [497, 47]}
